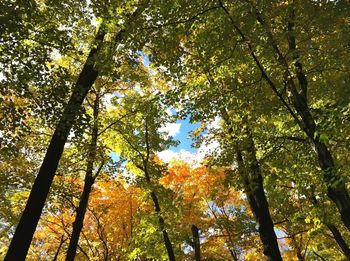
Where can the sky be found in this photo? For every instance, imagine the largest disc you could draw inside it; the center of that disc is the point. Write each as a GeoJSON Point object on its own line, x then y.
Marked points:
{"type": "Point", "coordinates": [179, 131]}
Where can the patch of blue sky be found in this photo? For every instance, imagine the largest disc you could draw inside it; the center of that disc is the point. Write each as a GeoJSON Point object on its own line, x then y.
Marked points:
{"type": "Point", "coordinates": [185, 128]}
{"type": "Point", "coordinates": [183, 136]}
{"type": "Point", "coordinates": [145, 60]}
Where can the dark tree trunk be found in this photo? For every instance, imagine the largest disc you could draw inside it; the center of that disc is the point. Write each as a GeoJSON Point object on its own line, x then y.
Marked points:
{"type": "Point", "coordinates": [253, 184]}
{"type": "Point", "coordinates": [249, 169]}
{"type": "Point", "coordinates": [26, 227]}
{"type": "Point", "coordinates": [336, 233]}
{"type": "Point", "coordinates": [336, 189]}
{"type": "Point", "coordinates": [340, 240]}
{"type": "Point", "coordinates": [154, 197]}
{"type": "Point", "coordinates": [161, 222]}
{"type": "Point", "coordinates": [88, 182]}
{"type": "Point", "coordinates": [59, 248]}
{"type": "Point", "coordinates": [196, 243]}
{"type": "Point", "coordinates": [30, 217]}
{"type": "Point", "coordinates": [233, 255]}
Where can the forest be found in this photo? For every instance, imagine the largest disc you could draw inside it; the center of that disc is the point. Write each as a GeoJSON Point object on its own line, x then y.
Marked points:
{"type": "Point", "coordinates": [150, 130]}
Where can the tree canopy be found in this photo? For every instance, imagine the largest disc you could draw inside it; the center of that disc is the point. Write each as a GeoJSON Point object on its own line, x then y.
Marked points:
{"type": "Point", "coordinates": [91, 94]}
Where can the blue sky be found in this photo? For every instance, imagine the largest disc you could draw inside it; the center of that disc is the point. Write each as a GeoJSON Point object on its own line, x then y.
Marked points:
{"type": "Point", "coordinates": [185, 128]}
{"type": "Point", "coordinates": [183, 136]}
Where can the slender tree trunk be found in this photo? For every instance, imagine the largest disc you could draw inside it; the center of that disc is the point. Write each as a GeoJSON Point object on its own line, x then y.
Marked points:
{"type": "Point", "coordinates": [154, 197]}
{"type": "Point", "coordinates": [26, 227]}
{"type": "Point", "coordinates": [253, 184]}
{"type": "Point", "coordinates": [79, 219]}
{"type": "Point", "coordinates": [196, 243]}
{"type": "Point", "coordinates": [233, 255]}
{"type": "Point", "coordinates": [336, 189]}
{"type": "Point", "coordinates": [336, 233]}
{"type": "Point", "coordinates": [161, 222]}
{"type": "Point", "coordinates": [340, 240]}
{"type": "Point", "coordinates": [249, 168]}
{"type": "Point", "coordinates": [88, 182]}
{"type": "Point", "coordinates": [22, 238]}
{"type": "Point", "coordinates": [59, 248]}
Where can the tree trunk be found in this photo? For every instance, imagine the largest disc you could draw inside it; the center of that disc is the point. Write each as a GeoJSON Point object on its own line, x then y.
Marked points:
{"type": "Point", "coordinates": [30, 217]}
{"type": "Point", "coordinates": [336, 233]}
{"type": "Point", "coordinates": [336, 189]}
{"type": "Point", "coordinates": [249, 168]}
{"type": "Point", "coordinates": [166, 238]}
{"type": "Point", "coordinates": [340, 240]}
{"type": "Point", "coordinates": [59, 248]}
{"type": "Point", "coordinates": [154, 197]}
{"type": "Point", "coordinates": [253, 184]}
{"type": "Point", "coordinates": [88, 182]}
{"type": "Point", "coordinates": [196, 243]}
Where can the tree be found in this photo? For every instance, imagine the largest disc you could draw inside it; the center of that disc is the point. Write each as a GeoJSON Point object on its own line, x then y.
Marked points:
{"type": "Point", "coordinates": [31, 214]}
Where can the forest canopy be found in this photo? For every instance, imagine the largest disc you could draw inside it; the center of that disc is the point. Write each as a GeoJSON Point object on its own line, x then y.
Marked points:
{"type": "Point", "coordinates": [174, 130]}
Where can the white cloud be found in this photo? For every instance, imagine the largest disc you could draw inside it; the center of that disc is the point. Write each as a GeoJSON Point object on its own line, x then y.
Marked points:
{"type": "Point", "coordinates": [185, 155]}
{"type": "Point", "coordinates": [215, 124]}
{"type": "Point", "coordinates": [169, 155]}
{"type": "Point", "coordinates": [169, 112]}
{"type": "Point", "coordinates": [2, 76]}
{"type": "Point", "coordinates": [207, 149]}
{"type": "Point", "coordinates": [107, 100]}
{"type": "Point", "coordinates": [172, 129]}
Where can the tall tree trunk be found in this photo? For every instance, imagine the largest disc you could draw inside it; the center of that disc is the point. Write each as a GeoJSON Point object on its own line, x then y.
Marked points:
{"type": "Point", "coordinates": [336, 189]}
{"type": "Point", "coordinates": [249, 169]}
{"type": "Point", "coordinates": [59, 248]}
{"type": "Point", "coordinates": [22, 238]}
{"type": "Point", "coordinates": [154, 197]}
{"type": "Point", "coordinates": [161, 222]}
{"type": "Point", "coordinates": [340, 240]}
{"type": "Point", "coordinates": [88, 182]}
{"type": "Point", "coordinates": [196, 243]}
{"type": "Point", "coordinates": [336, 233]}
{"type": "Point", "coordinates": [254, 189]}
{"type": "Point", "coordinates": [26, 227]}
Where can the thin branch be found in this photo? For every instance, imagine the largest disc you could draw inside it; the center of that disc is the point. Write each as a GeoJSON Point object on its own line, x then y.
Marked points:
{"type": "Point", "coordinates": [115, 122]}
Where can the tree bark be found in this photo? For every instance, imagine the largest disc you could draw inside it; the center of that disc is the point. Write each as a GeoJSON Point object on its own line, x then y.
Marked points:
{"type": "Point", "coordinates": [59, 248]}
{"type": "Point", "coordinates": [22, 238]}
{"type": "Point", "coordinates": [336, 233]}
{"type": "Point", "coordinates": [336, 189]}
{"type": "Point", "coordinates": [30, 217]}
{"type": "Point", "coordinates": [154, 197]}
{"type": "Point", "coordinates": [249, 169]}
{"type": "Point", "coordinates": [196, 243]}
{"type": "Point", "coordinates": [340, 240]}
{"type": "Point", "coordinates": [161, 222]}
{"type": "Point", "coordinates": [88, 182]}
{"type": "Point", "coordinates": [254, 189]}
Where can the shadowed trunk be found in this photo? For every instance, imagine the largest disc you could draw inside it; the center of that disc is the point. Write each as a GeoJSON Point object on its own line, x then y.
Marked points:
{"type": "Point", "coordinates": [196, 243]}
{"type": "Point", "coordinates": [161, 222]}
{"type": "Point", "coordinates": [59, 248]}
{"type": "Point", "coordinates": [298, 86]}
{"type": "Point", "coordinates": [254, 189]}
{"type": "Point", "coordinates": [340, 240]}
{"type": "Point", "coordinates": [336, 189]}
{"type": "Point", "coordinates": [88, 182]}
{"type": "Point", "coordinates": [249, 169]}
{"type": "Point", "coordinates": [26, 227]}
{"type": "Point", "coordinates": [336, 233]}
{"type": "Point", "coordinates": [22, 238]}
{"type": "Point", "coordinates": [154, 197]}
